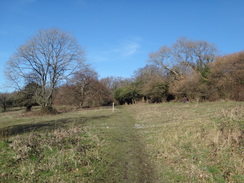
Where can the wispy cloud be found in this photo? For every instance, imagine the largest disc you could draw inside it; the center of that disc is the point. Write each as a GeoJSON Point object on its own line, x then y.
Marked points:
{"type": "Point", "coordinates": [122, 50]}
{"type": "Point", "coordinates": [128, 48]}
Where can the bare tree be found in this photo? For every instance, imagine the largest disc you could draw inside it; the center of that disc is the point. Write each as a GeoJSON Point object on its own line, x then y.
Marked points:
{"type": "Point", "coordinates": [164, 58]}
{"type": "Point", "coordinates": [112, 83]}
{"type": "Point", "coordinates": [148, 72]}
{"type": "Point", "coordinates": [83, 90]}
{"type": "Point", "coordinates": [195, 55]}
{"type": "Point", "coordinates": [47, 58]}
{"type": "Point", "coordinates": [187, 55]}
{"type": "Point", "coordinates": [81, 82]}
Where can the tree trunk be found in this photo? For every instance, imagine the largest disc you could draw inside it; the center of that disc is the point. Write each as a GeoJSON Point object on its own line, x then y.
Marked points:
{"type": "Point", "coordinates": [4, 108]}
{"type": "Point", "coordinates": [28, 108]}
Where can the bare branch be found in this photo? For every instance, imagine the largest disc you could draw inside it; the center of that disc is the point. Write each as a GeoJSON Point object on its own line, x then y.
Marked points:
{"type": "Point", "coordinates": [48, 57]}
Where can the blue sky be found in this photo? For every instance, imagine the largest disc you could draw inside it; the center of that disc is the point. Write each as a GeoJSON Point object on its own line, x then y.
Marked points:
{"type": "Point", "coordinates": [118, 35]}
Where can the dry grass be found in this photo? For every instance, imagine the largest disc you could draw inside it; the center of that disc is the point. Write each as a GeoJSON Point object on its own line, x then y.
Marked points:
{"type": "Point", "coordinates": [60, 156]}
{"type": "Point", "coordinates": [196, 144]}
{"type": "Point", "coordinates": [49, 148]}
{"type": "Point", "coordinates": [181, 143]}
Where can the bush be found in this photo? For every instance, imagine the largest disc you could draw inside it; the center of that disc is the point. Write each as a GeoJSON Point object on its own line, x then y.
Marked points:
{"type": "Point", "coordinates": [49, 110]}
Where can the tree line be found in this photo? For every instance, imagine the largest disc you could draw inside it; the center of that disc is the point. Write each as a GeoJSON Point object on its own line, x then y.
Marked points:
{"type": "Point", "coordinates": [50, 69]}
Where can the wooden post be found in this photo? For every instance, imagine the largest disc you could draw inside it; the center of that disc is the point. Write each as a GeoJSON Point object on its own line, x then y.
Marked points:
{"type": "Point", "coordinates": [113, 107]}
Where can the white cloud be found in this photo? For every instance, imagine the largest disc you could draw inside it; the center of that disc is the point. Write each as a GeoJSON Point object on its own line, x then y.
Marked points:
{"type": "Point", "coordinates": [116, 52]}
{"type": "Point", "coordinates": [128, 48]}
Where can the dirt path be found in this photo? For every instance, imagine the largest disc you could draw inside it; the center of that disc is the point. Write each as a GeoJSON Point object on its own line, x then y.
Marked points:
{"type": "Point", "coordinates": [124, 153]}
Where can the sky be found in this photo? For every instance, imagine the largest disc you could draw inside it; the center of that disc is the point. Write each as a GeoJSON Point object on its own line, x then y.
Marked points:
{"type": "Point", "coordinates": [118, 35]}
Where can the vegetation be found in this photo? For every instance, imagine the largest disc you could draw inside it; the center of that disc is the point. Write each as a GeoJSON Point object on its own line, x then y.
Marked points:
{"type": "Point", "coordinates": [169, 142]}
{"type": "Point", "coordinates": [194, 144]}
{"type": "Point", "coordinates": [47, 58]}
{"type": "Point", "coordinates": [28, 97]}
{"type": "Point", "coordinates": [3, 101]}
{"type": "Point", "coordinates": [46, 75]}
{"type": "Point", "coordinates": [83, 90]}
{"type": "Point", "coordinates": [6, 101]}
{"type": "Point", "coordinates": [57, 139]}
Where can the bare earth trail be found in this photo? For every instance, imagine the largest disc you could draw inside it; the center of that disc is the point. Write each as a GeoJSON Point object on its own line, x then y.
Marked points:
{"type": "Point", "coordinates": [123, 151]}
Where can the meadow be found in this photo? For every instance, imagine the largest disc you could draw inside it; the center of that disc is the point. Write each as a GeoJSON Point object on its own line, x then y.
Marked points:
{"type": "Point", "coordinates": [167, 142]}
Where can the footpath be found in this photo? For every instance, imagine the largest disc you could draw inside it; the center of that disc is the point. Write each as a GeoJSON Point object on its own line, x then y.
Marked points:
{"type": "Point", "coordinates": [123, 151]}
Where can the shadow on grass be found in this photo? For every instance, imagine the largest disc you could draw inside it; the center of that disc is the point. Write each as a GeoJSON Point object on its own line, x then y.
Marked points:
{"type": "Point", "coordinates": [45, 126]}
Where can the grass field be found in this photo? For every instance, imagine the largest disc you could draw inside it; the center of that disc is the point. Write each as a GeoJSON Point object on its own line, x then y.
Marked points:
{"type": "Point", "coordinates": [168, 142]}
